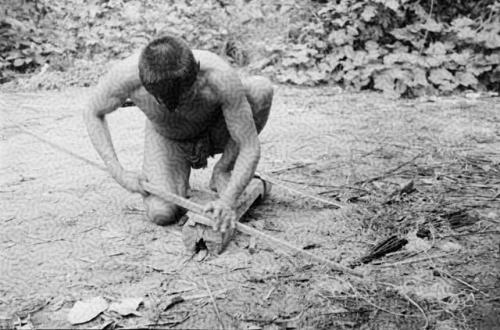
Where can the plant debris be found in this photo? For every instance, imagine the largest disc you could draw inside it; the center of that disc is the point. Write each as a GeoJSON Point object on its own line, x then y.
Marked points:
{"type": "Point", "coordinates": [86, 310]}
{"type": "Point", "coordinates": [126, 306]}
{"type": "Point", "coordinates": [461, 218]}
{"type": "Point", "coordinates": [391, 244]}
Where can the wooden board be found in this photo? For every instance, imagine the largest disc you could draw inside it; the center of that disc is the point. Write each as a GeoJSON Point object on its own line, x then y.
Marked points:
{"type": "Point", "coordinates": [196, 229]}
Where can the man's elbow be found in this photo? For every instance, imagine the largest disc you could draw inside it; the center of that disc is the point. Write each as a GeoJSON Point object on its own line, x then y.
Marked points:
{"type": "Point", "coordinates": [251, 150]}
{"type": "Point", "coordinates": [91, 117]}
{"type": "Point", "coordinates": [91, 112]}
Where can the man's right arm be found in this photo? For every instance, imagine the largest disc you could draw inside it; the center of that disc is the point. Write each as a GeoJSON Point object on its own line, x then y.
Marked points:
{"type": "Point", "coordinates": [109, 94]}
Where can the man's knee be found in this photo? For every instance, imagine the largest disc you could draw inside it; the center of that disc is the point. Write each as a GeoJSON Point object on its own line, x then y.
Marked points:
{"type": "Point", "coordinates": [161, 212]}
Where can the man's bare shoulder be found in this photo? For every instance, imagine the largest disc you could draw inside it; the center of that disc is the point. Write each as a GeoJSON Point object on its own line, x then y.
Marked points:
{"type": "Point", "coordinates": [122, 76]}
{"type": "Point", "coordinates": [210, 61]}
{"type": "Point", "coordinates": [219, 74]}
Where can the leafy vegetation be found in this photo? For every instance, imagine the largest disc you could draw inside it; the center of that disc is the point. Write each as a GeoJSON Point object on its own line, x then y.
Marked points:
{"type": "Point", "coordinates": [401, 47]}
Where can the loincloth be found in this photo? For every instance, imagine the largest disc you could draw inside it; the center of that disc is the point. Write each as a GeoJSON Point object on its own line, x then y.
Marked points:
{"type": "Point", "coordinates": [197, 150]}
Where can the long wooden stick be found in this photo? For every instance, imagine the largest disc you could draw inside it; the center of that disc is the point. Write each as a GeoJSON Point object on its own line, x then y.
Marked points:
{"type": "Point", "coordinates": [268, 238]}
{"type": "Point", "coordinates": [197, 208]}
{"type": "Point", "coordinates": [173, 198]}
{"type": "Point", "coordinates": [278, 183]}
{"type": "Point", "coordinates": [206, 220]}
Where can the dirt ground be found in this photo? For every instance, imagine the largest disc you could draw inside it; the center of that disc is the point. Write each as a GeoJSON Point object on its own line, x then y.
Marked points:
{"type": "Point", "coordinates": [427, 171]}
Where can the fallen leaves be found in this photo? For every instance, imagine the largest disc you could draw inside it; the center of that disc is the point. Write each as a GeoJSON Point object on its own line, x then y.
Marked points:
{"type": "Point", "coordinates": [84, 311]}
{"type": "Point", "coordinates": [438, 290]}
{"type": "Point", "coordinates": [87, 310]}
{"type": "Point", "coordinates": [126, 306]}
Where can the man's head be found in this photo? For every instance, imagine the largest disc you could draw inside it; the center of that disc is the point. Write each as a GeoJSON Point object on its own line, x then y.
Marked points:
{"type": "Point", "coordinates": [168, 69]}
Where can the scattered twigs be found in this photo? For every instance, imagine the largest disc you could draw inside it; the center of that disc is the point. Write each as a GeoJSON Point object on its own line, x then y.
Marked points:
{"type": "Point", "coordinates": [170, 324]}
{"type": "Point", "coordinates": [486, 232]}
{"type": "Point", "coordinates": [358, 294]}
{"type": "Point", "coordinates": [442, 272]}
{"type": "Point", "coordinates": [411, 261]}
{"type": "Point", "coordinates": [44, 240]}
{"type": "Point", "coordinates": [214, 303]}
{"type": "Point", "coordinates": [418, 307]}
{"type": "Point", "coordinates": [395, 144]}
{"type": "Point", "coordinates": [271, 239]}
{"type": "Point", "coordinates": [304, 183]}
{"type": "Point", "coordinates": [389, 172]}
{"type": "Point", "coordinates": [299, 192]}
{"type": "Point", "coordinates": [329, 191]}
{"type": "Point", "coordinates": [291, 167]}
{"type": "Point", "coordinates": [201, 296]}
{"type": "Point", "coordinates": [269, 293]}
{"type": "Point", "coordinates": [411, 301]}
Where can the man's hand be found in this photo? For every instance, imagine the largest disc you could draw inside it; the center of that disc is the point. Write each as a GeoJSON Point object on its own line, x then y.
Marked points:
{"type": "Point", "coordinates": [131, 181]}
{"type": "Point", "coordinates": [223, 214]}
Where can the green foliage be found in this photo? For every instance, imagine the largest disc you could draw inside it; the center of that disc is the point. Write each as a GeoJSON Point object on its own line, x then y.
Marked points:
{"type": "Point", "coordinates": [400, 47]}
{"type": "Point", "coordinates": [59, 32]}
{"type": "Point", "coordinates": [21, 47]}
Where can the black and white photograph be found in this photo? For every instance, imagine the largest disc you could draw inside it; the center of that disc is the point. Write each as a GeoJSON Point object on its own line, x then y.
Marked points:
{"type": "Point", "coordinates": [250, 164]}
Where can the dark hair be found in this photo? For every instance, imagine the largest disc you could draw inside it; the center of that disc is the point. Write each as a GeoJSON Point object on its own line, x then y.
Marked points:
{"type": "Point", "coordinates": [167, 68]}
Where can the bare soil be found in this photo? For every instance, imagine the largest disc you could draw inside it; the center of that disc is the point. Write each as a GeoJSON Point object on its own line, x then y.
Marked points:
{"type": "Point", "coordinates": [425, 170]}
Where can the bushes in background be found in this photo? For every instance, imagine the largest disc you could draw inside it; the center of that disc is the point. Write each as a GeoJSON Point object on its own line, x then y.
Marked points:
{"type": "Point", "coordinates": [401, 47]}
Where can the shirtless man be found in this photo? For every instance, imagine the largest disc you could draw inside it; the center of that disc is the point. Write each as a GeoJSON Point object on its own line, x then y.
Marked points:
{"type": "Point", "coordinates": [196, 106]}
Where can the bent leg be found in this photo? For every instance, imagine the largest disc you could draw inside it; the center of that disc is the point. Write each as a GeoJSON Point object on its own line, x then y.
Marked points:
{"type": "Point", "coordinates": [165, 167]}
{"type": "Point", "coordinates": [259, 93]}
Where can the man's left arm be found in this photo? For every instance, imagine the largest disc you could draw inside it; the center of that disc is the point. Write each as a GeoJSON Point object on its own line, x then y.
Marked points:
{"type": "Point", "coordinates": [241, 126]}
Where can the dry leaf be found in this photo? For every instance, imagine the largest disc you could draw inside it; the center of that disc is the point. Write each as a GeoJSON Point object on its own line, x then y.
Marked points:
{"type": "Point", "coordinates": [173, 301]}
{"type": "Point", "coordinates": [438, 290]}
{"type": "Point", "coordinates": [126, 306]}
{"type": "Point", "coordinates": [416, 244]}
{"type": "Point", "coordinates": [332, 287]}
{"type": "Point", "coordinates": [108, 325]}
{"type": "Point", "coordinates": [450, 247]}
{"type": "Point", "coordinates": [84, 311]}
